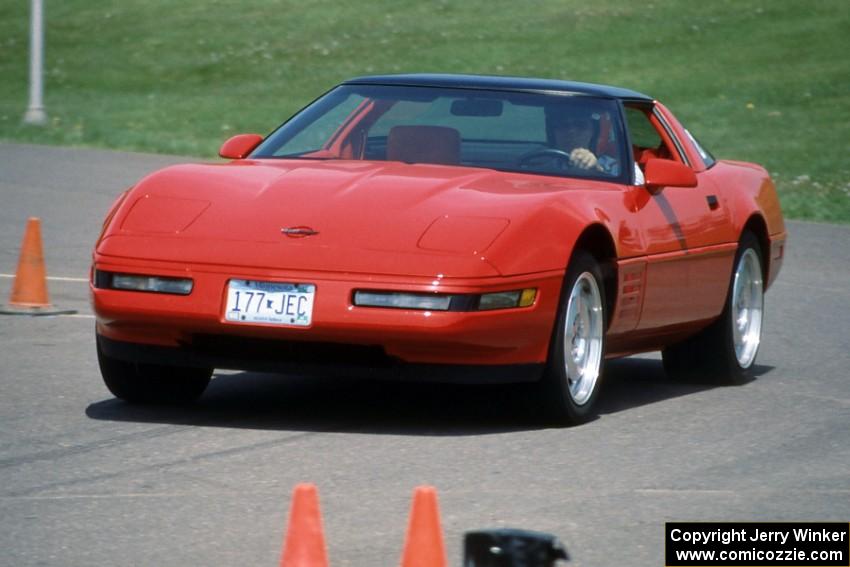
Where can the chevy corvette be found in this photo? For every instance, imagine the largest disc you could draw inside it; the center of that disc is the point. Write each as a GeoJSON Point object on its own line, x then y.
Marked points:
{"type": "Point", "coordinates": [449, 228]}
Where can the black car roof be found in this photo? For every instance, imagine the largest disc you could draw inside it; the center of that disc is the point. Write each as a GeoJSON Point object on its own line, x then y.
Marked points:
{"type": "Point", "coordinates": [500, 83]}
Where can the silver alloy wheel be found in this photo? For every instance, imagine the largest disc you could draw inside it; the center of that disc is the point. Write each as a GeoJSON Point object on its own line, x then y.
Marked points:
{"type": "Point", "coordinates": [747, 307]}
{"type": "Point", "coordinates": [583, 338]}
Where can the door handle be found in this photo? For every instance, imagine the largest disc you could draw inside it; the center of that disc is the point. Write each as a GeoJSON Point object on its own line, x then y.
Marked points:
{"type": "Point", "coordinates": [713, 203]}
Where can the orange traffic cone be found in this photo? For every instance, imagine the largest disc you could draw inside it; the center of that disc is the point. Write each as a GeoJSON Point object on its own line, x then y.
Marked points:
{"type": "Point", "coordinates": [29, 291]}
{"type": "Point", "coordinates": [305, 543]}
{"type": "Point", "coordinates": [423, 545]}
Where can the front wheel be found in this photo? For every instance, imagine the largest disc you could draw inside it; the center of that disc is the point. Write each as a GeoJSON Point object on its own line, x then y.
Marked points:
{"type": "Point", "coordinates": [725, 352]}
{"type": "Point", "coordinates": [151, 383]}
{"type": "Point", "coordinates": [573, 376]}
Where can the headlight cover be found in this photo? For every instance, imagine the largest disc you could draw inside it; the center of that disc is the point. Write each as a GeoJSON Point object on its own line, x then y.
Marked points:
{"type": "Point", "coordinates": [398, 300]}
{"type": "Point", "coordinates": [137, 282]}
{"type": "Point", "coordinates": [445, 301]}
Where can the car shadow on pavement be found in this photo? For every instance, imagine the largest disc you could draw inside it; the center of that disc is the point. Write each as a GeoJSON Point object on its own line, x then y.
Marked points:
{"type": "Point", "coordinates": [272, 402]}
{"type": "Point", "coordinates": [635, 382]}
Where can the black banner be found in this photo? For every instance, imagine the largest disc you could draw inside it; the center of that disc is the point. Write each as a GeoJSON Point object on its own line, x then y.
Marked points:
{"type": "Point", "coordinates": [757, 544]}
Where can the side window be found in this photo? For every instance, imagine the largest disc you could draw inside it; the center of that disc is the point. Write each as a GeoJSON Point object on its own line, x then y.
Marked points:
{"type": "Point", "coordinates": [641, 130]}
{"type": "Point", "coordinates": [315, 137]}
{"type": "Point", "coordinates": [706, 156]}
{"type": "Point", "coordinates": [647, 141]}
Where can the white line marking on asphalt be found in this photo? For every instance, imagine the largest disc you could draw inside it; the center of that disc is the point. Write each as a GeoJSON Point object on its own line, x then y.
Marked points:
{"type": "Point", "coordinates": [828, 399]}
{"type": "Point", "coordinates": [715, 492]}
{"type": "Point", "coordinates": [647, 491]}
{"type": "Point", "coordinates": [54, 278]}
{"type": "Point", "coordinates": [79, 316]}
{"type": "Point", "coordinates": [97, 496]}
{"type": "Point", "coordinates": [811, 287]}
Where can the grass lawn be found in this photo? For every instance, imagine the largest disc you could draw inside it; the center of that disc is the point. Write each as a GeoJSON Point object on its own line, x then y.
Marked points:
{"type": "Point", "coordinates": [765, 81]}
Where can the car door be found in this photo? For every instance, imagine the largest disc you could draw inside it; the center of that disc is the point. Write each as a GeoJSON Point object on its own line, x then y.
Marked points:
{"type": "Point", "coordinates": [684, 231]}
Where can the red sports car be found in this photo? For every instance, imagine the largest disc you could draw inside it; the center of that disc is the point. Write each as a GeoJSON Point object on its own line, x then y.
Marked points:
{"type": "Point", "coordinates": [442, 227]}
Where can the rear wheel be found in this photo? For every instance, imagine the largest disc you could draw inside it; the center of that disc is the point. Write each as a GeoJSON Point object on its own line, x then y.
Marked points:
{"type": "Point", "coordinates": [152, 383]}
{"type": "Point", "coordinates": [725, 351]}
{"type": "Point", "coordinates": [573, 375]}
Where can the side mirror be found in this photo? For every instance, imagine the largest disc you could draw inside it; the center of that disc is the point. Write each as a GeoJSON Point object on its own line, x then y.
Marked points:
{"type": "Point", "coordinates": [662, 173]}
{"type": "Point", "coordinates": [238, 147]}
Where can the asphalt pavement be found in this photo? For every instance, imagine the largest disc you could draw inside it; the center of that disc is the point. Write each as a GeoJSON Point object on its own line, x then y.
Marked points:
{"type": "Point", "coordinates": [89, 480]}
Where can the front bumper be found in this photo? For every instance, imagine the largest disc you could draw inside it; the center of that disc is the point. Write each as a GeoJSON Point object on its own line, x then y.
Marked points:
{"type": "Point", "coordinates": [517, 336]}
{"type": "Point", "coordinates": [313, 359]}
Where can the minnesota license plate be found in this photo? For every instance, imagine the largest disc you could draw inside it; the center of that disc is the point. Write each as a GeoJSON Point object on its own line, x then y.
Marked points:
{"type": "Point", "coordinates": [289, 304]}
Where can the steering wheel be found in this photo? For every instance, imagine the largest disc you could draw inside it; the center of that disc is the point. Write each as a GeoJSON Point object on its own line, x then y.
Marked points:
{"type": "Point", "coordinates": [550, 153]}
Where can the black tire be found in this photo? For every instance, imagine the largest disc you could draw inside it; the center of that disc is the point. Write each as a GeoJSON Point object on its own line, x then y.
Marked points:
{"type": "Point", "coordinates": [151, 383]}
{"type": "Point", "coordinates": [560, 404]}
{"type": "Point", "coordinates": [710, 356]}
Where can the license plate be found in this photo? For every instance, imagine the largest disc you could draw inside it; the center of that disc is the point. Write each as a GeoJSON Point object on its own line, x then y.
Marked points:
{"type": "Point", "coordinates": [289, 304]}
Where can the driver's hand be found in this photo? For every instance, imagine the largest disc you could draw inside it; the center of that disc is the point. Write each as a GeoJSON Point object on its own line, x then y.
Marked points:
{"type": "Point", "coordinates": [582, 158]}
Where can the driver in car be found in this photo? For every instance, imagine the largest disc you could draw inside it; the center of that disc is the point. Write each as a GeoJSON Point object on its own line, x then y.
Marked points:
{"type": "Point", "coordinates": [574, 135]}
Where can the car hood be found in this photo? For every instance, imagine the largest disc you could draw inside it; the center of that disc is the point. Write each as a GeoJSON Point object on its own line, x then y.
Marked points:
{"type": "Point", "coordinates": [347, 216]}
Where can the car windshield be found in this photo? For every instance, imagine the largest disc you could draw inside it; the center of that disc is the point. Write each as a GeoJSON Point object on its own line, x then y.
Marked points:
{"type": "Point", "coordinates": [544, 133]}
